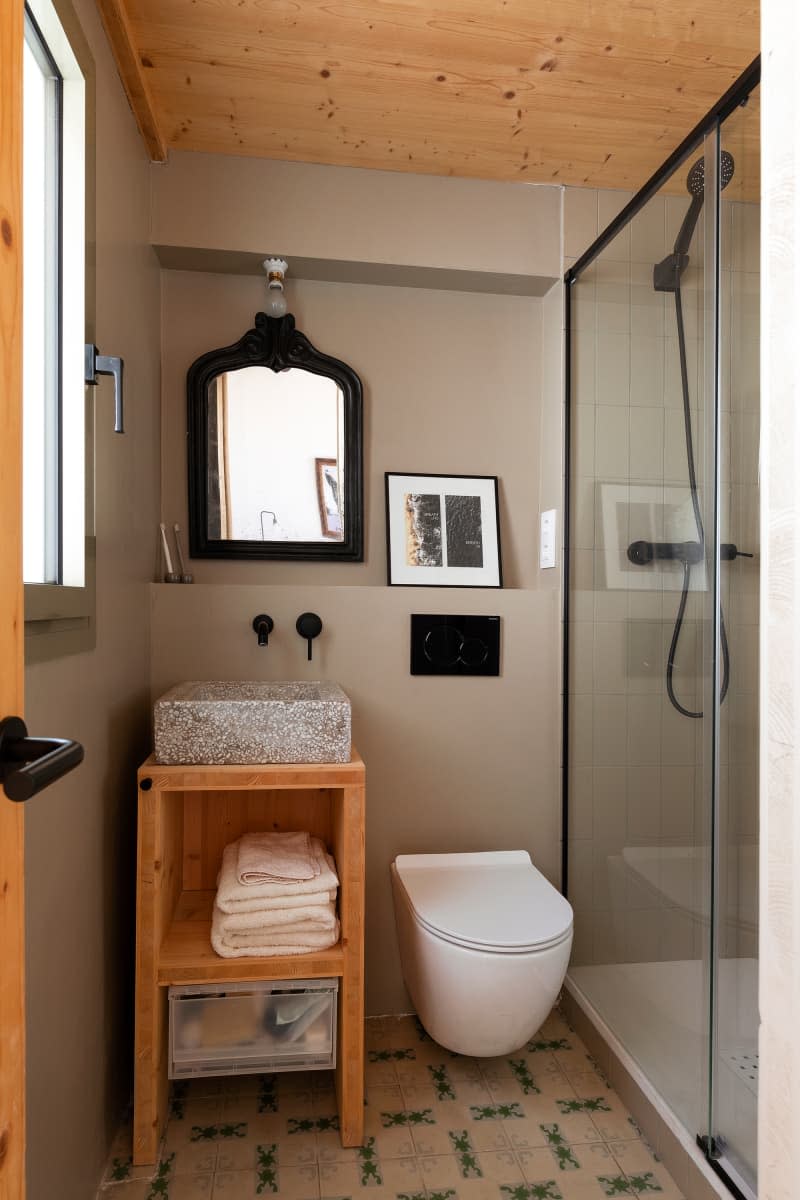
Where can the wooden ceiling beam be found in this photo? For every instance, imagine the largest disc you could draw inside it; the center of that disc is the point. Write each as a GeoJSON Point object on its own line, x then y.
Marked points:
{"type": "Point", "coordinates": [131, 70]}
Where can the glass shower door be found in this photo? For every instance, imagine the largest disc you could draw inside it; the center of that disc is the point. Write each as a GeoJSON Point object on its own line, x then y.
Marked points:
{"type": "Point", "coordinates": [661, 638]}
{"type": "Point", "coordinates": [733, 1121]}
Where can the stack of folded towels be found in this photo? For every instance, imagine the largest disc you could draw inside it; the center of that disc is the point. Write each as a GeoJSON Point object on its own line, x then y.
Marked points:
{"type": "Point", "coordinates": [276, 894]}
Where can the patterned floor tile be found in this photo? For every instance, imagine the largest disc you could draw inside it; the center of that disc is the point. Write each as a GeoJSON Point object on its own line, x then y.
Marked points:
{"type": "Point", "coordinates": [290, 1183]}
{"type": "Point", "coordinates": [425, 1096]}
{"type": "Point", "coordinates": [647, 1175]}
{"type": "Point", "coordinates": [434, 1139]}
{"type": "Point", "coordinates": [194, 1158]}
{"type": "Point", "coordinates": [442, 1172]}
{"type": "Point", "coordinates": [190, 1187]}
{"type": "Point", "coordinates": [400, 1175]}
{"type": "Point", "coordinates": [585, 1084]}
{"type": "Point", "coordinates": [539, 1124]}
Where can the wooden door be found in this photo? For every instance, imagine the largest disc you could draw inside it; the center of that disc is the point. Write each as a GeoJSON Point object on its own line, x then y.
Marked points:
{"type": "Point", "coordinates": [12, 946]}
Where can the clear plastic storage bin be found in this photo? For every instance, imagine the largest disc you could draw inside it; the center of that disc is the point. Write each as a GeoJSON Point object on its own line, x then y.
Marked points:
{"type": "Point", "coordinates": [247, 1028]}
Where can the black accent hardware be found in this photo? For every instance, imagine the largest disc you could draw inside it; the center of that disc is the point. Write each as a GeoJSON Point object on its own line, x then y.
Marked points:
{"type": "Point", "coordinates": [454, 645]}
{"type": "Point", "coordinates": [309, 626]}
{"type": "Point", "coordinates": [714, 1149]}
{"type": "Point", "coordinates": [641, 554]}
{"type": "Point", "coordinates": [28, 765]}
{"type": "Point", "coordinates": [146, 784]}
{"type": "Point", "coordinates": [263, 625]}
{"type": "Point", "coordinates": [95, 364]}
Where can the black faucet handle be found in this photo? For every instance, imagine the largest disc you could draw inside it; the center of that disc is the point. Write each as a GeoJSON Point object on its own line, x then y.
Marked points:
{"type": "Point", "coordinates": [309, 626]}
{"type": "Point", "coordinates": [263, 625]}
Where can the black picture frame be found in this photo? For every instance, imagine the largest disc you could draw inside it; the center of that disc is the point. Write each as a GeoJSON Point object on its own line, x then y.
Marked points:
{"type": "Point", "coordinates": [464, 574]}
{"type": "Point", "coordinates": [276, 343]}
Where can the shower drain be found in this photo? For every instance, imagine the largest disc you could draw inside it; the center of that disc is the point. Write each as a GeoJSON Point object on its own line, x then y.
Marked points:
{"type": "Point", "coordinates": [744, 1066]}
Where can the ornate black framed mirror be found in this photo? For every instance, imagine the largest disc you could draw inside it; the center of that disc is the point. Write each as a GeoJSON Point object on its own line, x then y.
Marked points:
{"type": "Point", "coordinates": [275, 450]}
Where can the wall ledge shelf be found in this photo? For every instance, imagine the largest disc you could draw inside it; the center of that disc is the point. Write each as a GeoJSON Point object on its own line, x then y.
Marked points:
{"type": "Point", "coordinates": [331, 270]}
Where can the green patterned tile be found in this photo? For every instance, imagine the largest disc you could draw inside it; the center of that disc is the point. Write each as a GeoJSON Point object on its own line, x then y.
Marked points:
{"type": "Point", "coordinates": [546, 1190]}
{"type": "Point", "coordinates": [548, 1044]}
{"type": "Point", "coordinates": [523, 1076]}
{"type": "Point", "coordinates": [465, 1154]}
{"type": "Point", "coordinates": [642, 1184]}
{"type": "Point", "coordinates": [615, 1185]}
{"type": "Point", "coordinates": [422, 1116]}
{"type": "Point", "coordinates": [217, 1133]}
{"type": "Point", "coordinates": [442, 1082]}
{"type": "Point", "coordinates": [594, 1104]}
{"type": "Point", "coordinates": [369, 1167]}
{"type": "Point", "coordinates": [565, 1157]}
{"type": "Point", "coordinates": [496, 1112]}
{"type": "Point", "coordinates": [159, 1184]}
{"type": "Point", "coordinates": [120, 1169]}
{"type": "Point", "coordinates": [267, 1168]}
{"type": "Point", "coordinates": [311, 1124]}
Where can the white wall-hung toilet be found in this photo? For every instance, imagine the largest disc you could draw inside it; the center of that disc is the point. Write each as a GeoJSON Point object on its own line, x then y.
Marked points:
{"type": "Point", "coordinates": [484, 945]}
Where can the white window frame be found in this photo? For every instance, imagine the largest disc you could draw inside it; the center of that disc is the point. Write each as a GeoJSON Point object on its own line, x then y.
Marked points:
{"type": "Point", "coordinates": [59, 617]}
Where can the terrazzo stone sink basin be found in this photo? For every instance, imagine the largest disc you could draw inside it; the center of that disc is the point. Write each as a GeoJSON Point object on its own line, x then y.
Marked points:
{"type": "Point", "coordinates": [229, 722]}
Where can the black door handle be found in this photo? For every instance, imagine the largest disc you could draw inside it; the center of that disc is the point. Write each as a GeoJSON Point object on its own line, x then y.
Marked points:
{"type": "Point", "coordinates": [28, 765]}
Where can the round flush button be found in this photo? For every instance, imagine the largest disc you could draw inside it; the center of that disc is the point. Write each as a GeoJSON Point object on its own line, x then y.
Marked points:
{"type": "Point", "coordinates": [473, 652]}
{"type": "Point", "coordinates": [443, 646]}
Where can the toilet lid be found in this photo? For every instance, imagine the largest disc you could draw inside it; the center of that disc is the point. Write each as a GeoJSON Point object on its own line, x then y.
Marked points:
{"type": "Point", "coordinates": [490, 901]}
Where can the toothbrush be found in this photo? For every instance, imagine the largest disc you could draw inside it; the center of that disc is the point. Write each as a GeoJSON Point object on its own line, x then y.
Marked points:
{"type": "Point", "coordinates": [185, 576]}
{"type": "Point", "coordinates": [170, 576]}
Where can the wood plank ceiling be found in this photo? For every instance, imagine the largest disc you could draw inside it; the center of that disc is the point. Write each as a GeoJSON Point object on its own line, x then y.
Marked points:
{"type": "Point", "coordinates": [587, 92]}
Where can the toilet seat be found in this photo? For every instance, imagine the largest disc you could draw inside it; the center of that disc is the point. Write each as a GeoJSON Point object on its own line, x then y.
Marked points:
{"type": "Point", "coordinates": [495, 901]}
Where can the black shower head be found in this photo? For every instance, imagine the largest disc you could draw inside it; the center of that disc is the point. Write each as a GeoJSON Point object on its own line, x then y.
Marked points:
{"type": "Point", "coordinates": [696, 184]}
{"type": "Point", "coordinates": [696, 179]}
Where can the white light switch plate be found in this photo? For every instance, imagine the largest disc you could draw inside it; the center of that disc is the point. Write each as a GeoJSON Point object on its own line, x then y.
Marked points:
{"type": "Point", "coordinates": [547, 539]}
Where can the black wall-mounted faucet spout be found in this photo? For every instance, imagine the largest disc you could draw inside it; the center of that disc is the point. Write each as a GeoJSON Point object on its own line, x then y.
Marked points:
{"type": "Point", "coordinates": [263, 625]}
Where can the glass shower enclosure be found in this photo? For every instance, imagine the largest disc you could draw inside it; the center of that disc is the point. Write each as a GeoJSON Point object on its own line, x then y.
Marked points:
{"type": "Point", "coordinates": [661, 631]}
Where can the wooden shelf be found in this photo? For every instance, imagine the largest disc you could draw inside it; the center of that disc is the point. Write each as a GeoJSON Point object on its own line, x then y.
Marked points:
{"type": "Point", "coordinates": [186, 954]}
{"type": "Point", "coordinates": [187, 816]}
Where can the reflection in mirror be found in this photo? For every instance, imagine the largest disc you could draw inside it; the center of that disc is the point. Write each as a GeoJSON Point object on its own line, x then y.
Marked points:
{"type": "Point", "coordinates": [275, 466]}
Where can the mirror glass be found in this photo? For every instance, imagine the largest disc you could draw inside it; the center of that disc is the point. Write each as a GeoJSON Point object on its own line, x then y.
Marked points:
{"type": "Point", "coordinates": [275, 468]}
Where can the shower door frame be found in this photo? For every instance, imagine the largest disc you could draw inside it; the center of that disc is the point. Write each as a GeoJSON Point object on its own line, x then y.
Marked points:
{"type": "Point", "coordinates": [709, 126]}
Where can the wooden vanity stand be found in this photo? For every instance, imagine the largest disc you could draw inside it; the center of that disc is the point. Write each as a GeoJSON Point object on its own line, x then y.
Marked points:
{"type": "Point", "coordinates": [187, 815]}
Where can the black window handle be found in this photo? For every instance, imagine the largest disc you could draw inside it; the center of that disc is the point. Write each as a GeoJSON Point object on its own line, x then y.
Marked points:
{"type": "Point", "coordinates": [28, 765]}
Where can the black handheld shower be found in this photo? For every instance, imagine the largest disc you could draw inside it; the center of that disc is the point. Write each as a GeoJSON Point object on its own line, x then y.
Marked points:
{"type": "Point", "coordinates": [667, 278]}
{"type": "Point", "coordinates": [667, 273]}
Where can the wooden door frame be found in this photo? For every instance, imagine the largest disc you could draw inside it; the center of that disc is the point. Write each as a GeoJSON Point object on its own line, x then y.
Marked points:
{"type": "Point", "coordinates": [12, 954]}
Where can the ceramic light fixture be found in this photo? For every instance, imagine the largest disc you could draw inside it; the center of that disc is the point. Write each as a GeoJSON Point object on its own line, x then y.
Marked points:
{"type": "Point", "coordinates": [276, 269]}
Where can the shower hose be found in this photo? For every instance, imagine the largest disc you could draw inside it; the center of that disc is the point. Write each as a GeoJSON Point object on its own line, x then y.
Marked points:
{"type": "Point", "coordinates": [687, 566]}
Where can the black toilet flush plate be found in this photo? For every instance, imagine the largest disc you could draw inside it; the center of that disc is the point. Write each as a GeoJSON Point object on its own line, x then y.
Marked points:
{"type": "Point", "coordinates": [454, 645]}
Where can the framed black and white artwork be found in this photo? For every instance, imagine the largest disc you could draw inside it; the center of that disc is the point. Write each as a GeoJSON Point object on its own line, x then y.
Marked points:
{"type": "Point", "coordinates": [443, 530]}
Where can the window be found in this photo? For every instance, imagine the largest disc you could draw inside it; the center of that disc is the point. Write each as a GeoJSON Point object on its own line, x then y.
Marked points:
{"type": "Point", "coordinates": [56, 567]}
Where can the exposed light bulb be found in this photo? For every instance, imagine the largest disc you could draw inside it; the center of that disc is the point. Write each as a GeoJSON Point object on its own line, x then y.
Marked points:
{"type": "Point", "coordinates": [276, 269]}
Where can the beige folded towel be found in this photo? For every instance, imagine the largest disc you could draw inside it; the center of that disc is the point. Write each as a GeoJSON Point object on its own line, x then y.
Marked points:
{"type": "Point", "coordinates": [320, 940]}
{"type": "Point", "coordinates": [269, 949]}
{"type": "Point", "coordinates": [316, 917]}
{"type": "Point", "coordinates": [233, 896]}
{"type": "Point", "coordinates": [275, 858]}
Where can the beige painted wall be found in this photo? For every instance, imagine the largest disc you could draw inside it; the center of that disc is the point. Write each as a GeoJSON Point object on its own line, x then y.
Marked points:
{"type": "Point", "coordinates": [453, 382]}
{"type": "Point", "coordinates": [452, 764]}
{"type": "Point", "coordinates": [80, 833]}
{"type": "Point", "coordinates": [346, 213]}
